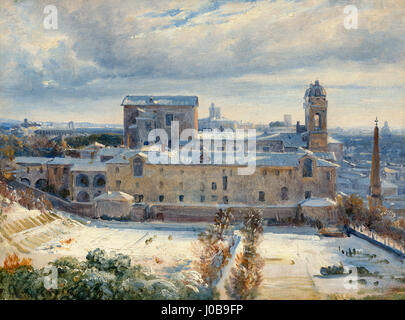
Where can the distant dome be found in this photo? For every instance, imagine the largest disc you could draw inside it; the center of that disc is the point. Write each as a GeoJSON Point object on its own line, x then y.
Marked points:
{"type": "Point", "coordinates": [315, 90]}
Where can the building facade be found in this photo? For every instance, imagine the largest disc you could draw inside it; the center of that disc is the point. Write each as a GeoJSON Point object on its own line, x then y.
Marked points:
{"type": "Point", "coordinates": [144, 113]}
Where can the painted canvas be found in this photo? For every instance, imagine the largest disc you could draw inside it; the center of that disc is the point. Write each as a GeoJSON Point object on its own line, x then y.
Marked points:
{"type": "Point", "coordinates": [202, 150]}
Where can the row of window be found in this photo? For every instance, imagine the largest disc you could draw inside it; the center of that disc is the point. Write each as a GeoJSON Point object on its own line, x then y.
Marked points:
{"type": "Point", "coordinates": [225, 199]}
{"type": "Point", "coordinates": [306, 170]}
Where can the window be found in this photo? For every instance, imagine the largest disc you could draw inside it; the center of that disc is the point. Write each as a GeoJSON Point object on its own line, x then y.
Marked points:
{"type": "Point", "coordinates": [83, 196]}
{"type": "Point", "coordinates": [290, 172]}
{"type": "Point", "coordinates": [146, 143]}
{"type": "Point", "coordinates": [328, 175]}
{"type": "Point", "coordinates": [202, 186]}
{"type": "Point", "coordinates": [99, 181]}
{"type": "Point", "coordinates": [161, 198]}
{"type": "Point", "coordinates": [214, 198]}
{"type": "Point", "coordinates": [65, 170]}
{"type": "Point", "coordinates": [307, 168]}
{"type": "Point", "coordinates": [161, 170]}
{"type": "Point", "coordinates": [117, 170]}
{"type": "Point", "coordinates": [266, 149]}
{"type": "Point", "coordinates": [214, 186]}
{"type": "Point", "coordinates": [148, 126]}
{"type": "Point", "coordinates": [138, 167]}
{"type": "Point", "coordinates": [277, 172]}
{"type": "Point", "coordinates": [225, 200]}
{"type": "Point", "coordinates": [169, 119]}
{"type": "Point", "coordinates": [118, 184]}
{"type": "Point", "coordinates": [55, 171]}
{"type": "Point", "coordinates": [41, 170]}
{"type": "Point", "coordinates": [202, 199]}
{"type": "Point", "coordinates": [181, 198]}
{"type": "Point", "coordinates": [224, 182]}
{"type": "Point", "coordinates": [317, 122]}
{"type": "Point", "coordinates": [307, 194]}
{"type": "Point", "coordinates": [82, 180]}
{"type": "Point", "coordinates": [28, 170]}
{"type": "Point", "coordinates": [284, 193]}
{"type": "Point", "coordinates": [265, 172]}
{"type": "Point", "coordinates": [261, 196]}
{"type": "Point", "coordinates": [138, 198]}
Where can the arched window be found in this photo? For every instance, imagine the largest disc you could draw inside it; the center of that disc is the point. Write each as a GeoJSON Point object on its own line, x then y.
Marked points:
{"type": "Point", "coordinates": [138, 167]}
{"type": "Point", "coordinates": [214, 186]}
{"type": "Point", "coordinates": [99, 181]}
{"type": "Point", "coordinates": [83, 196]}
{"type": "Point", "coordinates": [25, 181]}
{"type": "Point", "coordinates": [284, 193]}
{"type": "Point", "coordinates": [41, 184]}
{"type": "Point", "coordinates": [317, 122]}
{"type": "Point", "coordinates": [307, 168]}
{"type": "Point", "coordinates": [82, 180]}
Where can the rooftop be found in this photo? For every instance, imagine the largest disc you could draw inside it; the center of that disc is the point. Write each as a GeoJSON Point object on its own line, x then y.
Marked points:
{"type": "Point", "coordinates": [160, 101]}
{"type": "Point", "coordinates": [115, 196]}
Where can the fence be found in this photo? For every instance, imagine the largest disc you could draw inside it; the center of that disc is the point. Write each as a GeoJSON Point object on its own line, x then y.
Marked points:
{"type": "Point", "coordinates": [82, 209]}
{"type": "Point", "coordinates": [380, 241]}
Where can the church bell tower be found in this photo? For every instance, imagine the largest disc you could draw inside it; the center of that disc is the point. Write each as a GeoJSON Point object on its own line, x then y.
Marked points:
{"type": "Point", "coordinates": [316, 105]}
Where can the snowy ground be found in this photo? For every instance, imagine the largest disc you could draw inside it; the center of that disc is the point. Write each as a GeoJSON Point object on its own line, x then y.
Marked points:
{"type": "Point", "coordinates": [170, 249]}
{"type": "Point", "coordinates": [294, 256]}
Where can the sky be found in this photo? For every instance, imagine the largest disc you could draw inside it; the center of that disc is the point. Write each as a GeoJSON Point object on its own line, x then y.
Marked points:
{"type": "Point", "coordinates": [254, 59]}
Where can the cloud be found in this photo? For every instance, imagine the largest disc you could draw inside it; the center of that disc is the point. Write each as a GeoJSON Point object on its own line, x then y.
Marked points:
{"type": "Point", "coordinates": [230, 51]}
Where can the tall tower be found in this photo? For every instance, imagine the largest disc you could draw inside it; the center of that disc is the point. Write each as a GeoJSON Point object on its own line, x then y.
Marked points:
{"type": "Point", "coordinates": [316, 105]}
{"type": "Point", "coordinates": [375, 183]}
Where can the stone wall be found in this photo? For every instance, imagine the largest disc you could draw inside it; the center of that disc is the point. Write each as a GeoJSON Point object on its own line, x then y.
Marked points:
{"type": "Point", "coordinates": [204, 184]}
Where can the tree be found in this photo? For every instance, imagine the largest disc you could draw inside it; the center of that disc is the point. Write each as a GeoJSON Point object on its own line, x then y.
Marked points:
{"type": "Point", "coordinates": [212, 249]}
{"type": "Point", "coordinates": [222, 222]}
{"type": "Point", "coordinates": [246, 277]}
{"type": "Point", "coordinates": [252, 226]}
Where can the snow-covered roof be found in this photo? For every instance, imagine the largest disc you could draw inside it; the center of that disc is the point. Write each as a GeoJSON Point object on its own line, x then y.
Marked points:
{"type": "Point", "coordinates": [289, 139]}
{"type": "Point", "coordinates": [110, 151]}
{"type": "Point", "coordinates": [333, 140]}
{"type": "Point", "coordinates": [63, 161]}
{"type": "Point", "coordinates": [160, 101]}
{"type": "Point", "coordinates": [88, 165]}
{"type": "Point", "coordinates": [32, 160]}
{"type": "Point", "coordinates": [317, 202]}
{"type": "Point", "coordinates": [95, 145]}
{"type": "Point", "coordinates": [114, 196]}
{"type": "Point", "coordinates": [389, 170]}
{"type": "Point", "coordinates": [326, 155]}
{"type": "Point", "coordinates": [387, 184]}
{"type": "Point", "coordinates": [265, 159]}
{"type": "Point", "coordinates": [324, 163]}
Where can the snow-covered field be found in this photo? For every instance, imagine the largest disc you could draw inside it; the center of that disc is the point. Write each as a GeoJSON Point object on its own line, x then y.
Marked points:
{"type": "Point", "coordinates": [294, 256]}
{"type": "Point", "coordinates": [164, 248]}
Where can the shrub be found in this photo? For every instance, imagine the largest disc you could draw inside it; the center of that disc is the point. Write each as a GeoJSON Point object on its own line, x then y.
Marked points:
{"type": "Point", "coordinates": [100, 276]}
